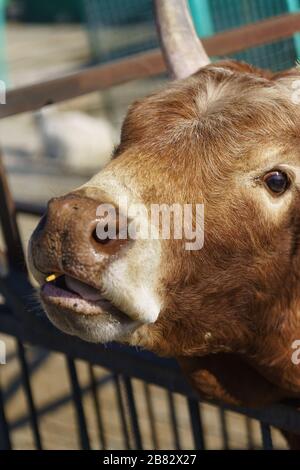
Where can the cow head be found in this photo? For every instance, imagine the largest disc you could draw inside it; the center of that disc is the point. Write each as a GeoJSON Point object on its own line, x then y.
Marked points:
{"type": "Point", "coordinates": [225, 138]}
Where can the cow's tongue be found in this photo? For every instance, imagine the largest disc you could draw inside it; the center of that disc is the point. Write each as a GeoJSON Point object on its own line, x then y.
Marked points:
{"type": "Point", "coordinates": [84, 290]}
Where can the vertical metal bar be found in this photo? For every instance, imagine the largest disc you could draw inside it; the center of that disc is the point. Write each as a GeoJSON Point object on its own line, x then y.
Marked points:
{"type": "Point", "coordinates": [5, 443]}
{"type": "Point", "coordinates": [77, 400]}
{"type": "Point", "coordinates": [196, 423]}
{"type": "Point", "coordinates": [97, 405]}
{"type": "Point", "coordinates": [28, 392]}
{"type": "Point", "coordinates": [150, 410]}
{"type": "Point", "coordinates": [224, 429]}
{"type": "Point", "coordinates": [133, 414]}
{"type": "Point", "coordinates": [173, 419]}
{"type": "Point", "coordinates": [249, 434]}
{"type": "Point", "coordinates": [8, 220]}
{"type": "Point", "coordinates": [266, 436]}
{"type": "Point", "coordinates": [122, 412]}
{"type": "Point", "coordinates": [16, 382]}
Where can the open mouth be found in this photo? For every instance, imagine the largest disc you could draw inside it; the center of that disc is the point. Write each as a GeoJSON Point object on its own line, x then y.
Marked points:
{"type": "Point", "coordinates": [69, 293]}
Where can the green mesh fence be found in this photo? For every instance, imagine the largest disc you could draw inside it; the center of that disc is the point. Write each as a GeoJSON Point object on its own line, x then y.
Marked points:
{"type": "Point", "coordinates": [228, 14]}
{"type": "Point", "coordinates": [118, 28]}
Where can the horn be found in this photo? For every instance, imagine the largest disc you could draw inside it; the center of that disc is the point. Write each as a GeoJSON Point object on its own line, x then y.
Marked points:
{"type": "Point", "coordinates": [182, 49]}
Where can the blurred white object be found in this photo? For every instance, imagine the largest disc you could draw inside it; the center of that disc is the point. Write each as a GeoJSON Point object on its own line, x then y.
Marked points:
{"type": "Point", "coordinates": [74, 139]}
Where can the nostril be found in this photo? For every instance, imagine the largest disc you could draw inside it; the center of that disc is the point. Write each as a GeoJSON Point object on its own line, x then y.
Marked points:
{"type": "Point", "coordinates": [101, 241]}
{"type": "Point", "coordinates": [109, 233]}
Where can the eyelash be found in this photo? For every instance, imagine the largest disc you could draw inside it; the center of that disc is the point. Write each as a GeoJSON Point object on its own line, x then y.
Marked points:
{"type": "Point", "coordinates": [260, 178]}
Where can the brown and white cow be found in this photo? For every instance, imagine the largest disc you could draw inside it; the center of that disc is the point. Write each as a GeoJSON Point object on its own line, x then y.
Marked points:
{"type": "Point", "coordinates": [228, 136]}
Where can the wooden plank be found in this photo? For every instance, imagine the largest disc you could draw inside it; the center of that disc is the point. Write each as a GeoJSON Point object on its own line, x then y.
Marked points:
{"type": "Point", "coordinates": [33, 97]}
{"type": "Point", "coordinates": [252, 35]}
{"type": "Point", "coordinates": [30, 98]}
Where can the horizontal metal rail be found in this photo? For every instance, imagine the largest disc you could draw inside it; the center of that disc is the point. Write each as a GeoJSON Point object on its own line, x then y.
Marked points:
{"type": "Point", "coordinates": [136, 364]}
{"type": "Point", "coordinates": [30, 208]}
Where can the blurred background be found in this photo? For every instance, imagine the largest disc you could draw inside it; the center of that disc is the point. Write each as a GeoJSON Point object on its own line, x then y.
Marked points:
{"type": "Point", "coordinates": [51, 151]}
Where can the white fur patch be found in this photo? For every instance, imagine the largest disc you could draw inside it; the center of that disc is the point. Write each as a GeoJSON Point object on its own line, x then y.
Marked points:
{"type": "Point", "coordinates": [131, 279]}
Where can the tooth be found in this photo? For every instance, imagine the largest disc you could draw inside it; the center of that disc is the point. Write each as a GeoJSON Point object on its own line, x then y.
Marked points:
{"type": "Point", "coordinates": [52, 277]}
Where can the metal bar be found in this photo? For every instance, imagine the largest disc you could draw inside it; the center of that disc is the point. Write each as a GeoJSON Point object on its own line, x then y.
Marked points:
{"type": "Point", "coordinates": [138, 364]}
{"type": "Point", "coordinates": [30, 208]}
{"type": "Point", "coordinates": [122, 412]}
{"type": "Point", "coordinates": [142, 365]}
{"type": "Point", "coordinates": [14, 385]}
{"type": "Point", "coordinates": [133, 414]}
{"type": "Point", "coordinates": [250, 441]}
{"type": "Point", "coordinates": [54, 405]}
{"type": "Point", "coordinates": [173, 420]}
{"type": "Point", "coordinates": [150, 410]}
{"type": "Point", "coordinates": [34, 97]}
{"type": "Point", "coordinates": [29, 396]}
{"type": "Point", "coordinates": [92, 79]}
{"type": "Point", "coordinates": [97, 406]}
{"type": "Point", "coordinates": [8, 221]}
{"type": "Point", "coordinates": [5, 443]}
{"type": "Point", "coordinates": [224, 429]}
{"type": "Point", "coordinates": [18, 293]}
{"type": "Point", "coordinates": [266, 436]}
{"type": "Point", "coordinates": [77, 400]}
{"type": "Point", "coordinates": [196, 423]}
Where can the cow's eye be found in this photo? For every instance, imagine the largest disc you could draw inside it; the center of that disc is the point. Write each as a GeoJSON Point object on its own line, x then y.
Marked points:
{"type": "Point", "coordinates": [277, 182]}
